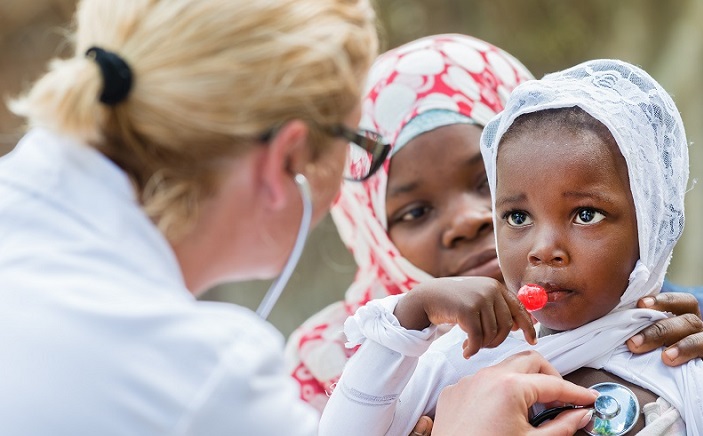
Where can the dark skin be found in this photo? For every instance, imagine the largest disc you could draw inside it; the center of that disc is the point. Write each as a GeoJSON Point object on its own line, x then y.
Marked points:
{"type": "Point", "coordinates": [667, 333]}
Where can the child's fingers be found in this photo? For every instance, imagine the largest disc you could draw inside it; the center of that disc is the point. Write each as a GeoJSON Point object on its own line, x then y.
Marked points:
{"type": "Point", "coordinates": [471, 324]}
{"type": "Point", "coordinates": [503, 321]}
{"type": "Point", "coordinates": [489, 326]}
{"type": "Point", "coordinates": [521, 317]}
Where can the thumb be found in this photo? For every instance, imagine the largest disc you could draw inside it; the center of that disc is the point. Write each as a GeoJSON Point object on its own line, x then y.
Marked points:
{"type": "Point", "coordinates": [566, 423]}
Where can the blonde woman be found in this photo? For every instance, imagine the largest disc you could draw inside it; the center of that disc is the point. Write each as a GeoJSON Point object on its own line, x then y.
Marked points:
{"type": "Point", "coordinates": [169, 154]}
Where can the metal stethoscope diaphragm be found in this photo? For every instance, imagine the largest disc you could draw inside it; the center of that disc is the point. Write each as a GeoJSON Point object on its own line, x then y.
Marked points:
{"type": "Point", "coordinates": [615, 411]}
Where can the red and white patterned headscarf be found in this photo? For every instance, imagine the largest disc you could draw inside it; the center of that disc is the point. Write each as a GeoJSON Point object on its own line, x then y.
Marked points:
{"type": "Point", "coordinates": [456, 74]}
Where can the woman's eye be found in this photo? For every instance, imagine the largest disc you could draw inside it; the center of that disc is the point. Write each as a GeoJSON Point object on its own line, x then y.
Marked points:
{"type": "Point", "coordinates": [413, 214]}
{"type": "Point", "coordinates": [589, 216]}
{"type": "Point", "coordinates": [483, 187]}
{"type": "Point", "coordinates": [518, 219]}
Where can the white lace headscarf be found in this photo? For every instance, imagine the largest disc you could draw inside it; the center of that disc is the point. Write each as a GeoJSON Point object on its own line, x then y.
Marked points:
{"type": "Point", "coordinates": [645, 123]}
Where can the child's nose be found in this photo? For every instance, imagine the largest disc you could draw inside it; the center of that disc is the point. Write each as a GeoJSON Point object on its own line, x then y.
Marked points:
{"type": "Point", "coordinates": [548, 249]}
{"type": "Point", "coordinates": [470, 218]}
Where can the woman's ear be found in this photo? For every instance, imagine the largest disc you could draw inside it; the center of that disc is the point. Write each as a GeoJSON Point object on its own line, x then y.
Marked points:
{"type": "Point", "coordinates": [286, 152]}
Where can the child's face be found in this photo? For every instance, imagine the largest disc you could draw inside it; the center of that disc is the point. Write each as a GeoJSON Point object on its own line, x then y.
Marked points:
{"type": "Point", "coordinates": [439, 206]}
{"type": "Point", "coordinates": [566, 221]}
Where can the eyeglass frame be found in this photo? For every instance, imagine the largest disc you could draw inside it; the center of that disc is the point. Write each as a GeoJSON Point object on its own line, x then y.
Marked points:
{"type": "Point", "coordinates": [356, 137]}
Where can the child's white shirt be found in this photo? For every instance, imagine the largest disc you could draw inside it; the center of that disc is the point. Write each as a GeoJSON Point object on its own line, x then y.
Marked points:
{"type": "Point", "coordinates": [386, 387]}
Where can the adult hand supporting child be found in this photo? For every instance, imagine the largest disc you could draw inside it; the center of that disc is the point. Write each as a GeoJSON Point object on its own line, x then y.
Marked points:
{"type": "Point", "coordinates": [669, 332]}
{"type": "Point", "coordinates": [506, 391]}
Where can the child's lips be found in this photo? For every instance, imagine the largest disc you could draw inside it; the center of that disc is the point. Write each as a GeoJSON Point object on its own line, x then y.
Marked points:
{"type": "Point", "coordinates": [555, 295]}
{"type": "Point", "coordinates": [555, 292]}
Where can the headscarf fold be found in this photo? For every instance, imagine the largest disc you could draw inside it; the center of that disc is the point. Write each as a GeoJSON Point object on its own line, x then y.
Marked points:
{"type": "Point", "coordinates": [418, 87]}
{"type": "Point", "coordinates": [650, 134]}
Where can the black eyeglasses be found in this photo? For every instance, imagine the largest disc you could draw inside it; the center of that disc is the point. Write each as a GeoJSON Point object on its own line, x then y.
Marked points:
{"type": "Point", "coordinates": [365, 154]}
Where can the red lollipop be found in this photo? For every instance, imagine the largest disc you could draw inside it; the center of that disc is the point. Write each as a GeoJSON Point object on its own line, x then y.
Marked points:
{"type": "Point", "coordinates": [533, 297]}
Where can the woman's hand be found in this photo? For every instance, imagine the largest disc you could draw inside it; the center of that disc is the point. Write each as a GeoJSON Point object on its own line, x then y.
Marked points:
{"type": "Point", "coordinates": [496, 400]}
{"type": "Point", "coordinates": [483, 307]}
{"type": "Point", "coordinates": [423, 427]}
{"type": "Point", "coordinates": [682, 334]}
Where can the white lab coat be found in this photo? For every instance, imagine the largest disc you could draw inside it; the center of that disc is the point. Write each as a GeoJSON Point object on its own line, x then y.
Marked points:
{"type": "Point", "coordinates": [98, 334]}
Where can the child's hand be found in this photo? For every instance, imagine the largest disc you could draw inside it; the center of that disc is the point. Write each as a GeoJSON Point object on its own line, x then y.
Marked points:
{"type": "Point", "coordinates": [483, 307]}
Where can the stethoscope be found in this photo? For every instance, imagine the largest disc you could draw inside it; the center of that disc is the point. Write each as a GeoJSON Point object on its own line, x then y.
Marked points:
{"type": "Point", "coordinates": [276, 288]}
{"type": "Point", "coordinates": [615, 411]}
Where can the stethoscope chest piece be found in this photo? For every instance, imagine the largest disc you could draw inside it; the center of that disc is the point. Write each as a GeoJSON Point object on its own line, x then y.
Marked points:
{"type": "Point", "coordinates": [615, 412]}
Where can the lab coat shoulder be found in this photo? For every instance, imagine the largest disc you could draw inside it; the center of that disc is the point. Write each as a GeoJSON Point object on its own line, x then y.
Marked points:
{"type": "Point", "coordinates": [248, 389]}
{"type": "Point", "coordinates": [101, 321]}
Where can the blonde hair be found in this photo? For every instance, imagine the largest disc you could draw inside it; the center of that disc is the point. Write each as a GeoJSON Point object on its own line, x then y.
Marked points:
{"type": "Point", "coordinates": [210, 76]}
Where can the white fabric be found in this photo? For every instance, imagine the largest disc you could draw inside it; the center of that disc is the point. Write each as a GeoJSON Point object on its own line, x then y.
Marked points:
{"type": "Point", "coordinates": [393, 371]}
{"type": "Point", "coordinates": [99, 335]}
{"type": "Point", "coordinates": [426, 122]}
{"type": "Point", "coordinates": [662, 419]}
{"type": "Point", "coordinates": [376, 322]}
{"type": "Point", "coordinates": [649, 132]}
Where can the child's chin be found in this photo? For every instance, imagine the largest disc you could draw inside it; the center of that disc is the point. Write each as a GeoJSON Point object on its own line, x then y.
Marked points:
{"type": "Point", "coordinates": [553, 323]}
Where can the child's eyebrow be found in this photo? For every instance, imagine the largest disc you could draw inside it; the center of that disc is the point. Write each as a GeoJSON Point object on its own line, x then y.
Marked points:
{"type": "Point", "coordinates": [502, 201]}
{"type": "Point", "coordinates": [590, 195]}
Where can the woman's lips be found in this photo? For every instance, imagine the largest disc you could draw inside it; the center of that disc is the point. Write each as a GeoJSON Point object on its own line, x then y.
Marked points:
{"type": "Point", "coordinates": [488, 267]}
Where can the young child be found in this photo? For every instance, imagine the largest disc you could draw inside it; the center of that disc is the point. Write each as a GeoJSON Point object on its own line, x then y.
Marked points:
{"type": "Point", "coordinates": [427, 212]}
{"type": "Point", "coordinates": [587, 170]}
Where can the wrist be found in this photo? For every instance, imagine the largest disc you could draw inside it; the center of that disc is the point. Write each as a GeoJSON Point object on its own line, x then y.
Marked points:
{"type": "Point", "coordinates": [410, 311]}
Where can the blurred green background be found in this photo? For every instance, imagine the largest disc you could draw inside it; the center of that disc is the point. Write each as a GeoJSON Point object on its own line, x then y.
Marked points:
{"type": "Point", "coordinates": [665, 38]}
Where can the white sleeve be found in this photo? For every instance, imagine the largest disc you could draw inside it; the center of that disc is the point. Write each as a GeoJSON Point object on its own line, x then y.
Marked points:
{"type": "Point", "coordinates": [249, 393]}
{"type": "Point", "coordinates": [382, 390]}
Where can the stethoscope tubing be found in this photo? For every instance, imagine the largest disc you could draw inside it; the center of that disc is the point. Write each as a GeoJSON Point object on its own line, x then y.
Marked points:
{"type": "Point", "coordinates": [276, 288]}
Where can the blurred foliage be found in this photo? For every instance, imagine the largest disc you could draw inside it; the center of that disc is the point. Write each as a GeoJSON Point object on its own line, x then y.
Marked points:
{"type": "Point", "coordinates": [665, 38]}
{"type": "Point", "coordinates": [546, 35]}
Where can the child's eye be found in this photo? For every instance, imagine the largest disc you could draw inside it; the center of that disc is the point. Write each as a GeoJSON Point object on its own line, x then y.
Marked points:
{"type": "Point", "coordinates": [518, 219]}
{"type": "Point", "coordinates": [588, 216]}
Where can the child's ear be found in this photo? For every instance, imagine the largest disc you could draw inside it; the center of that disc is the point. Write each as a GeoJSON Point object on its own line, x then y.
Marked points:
{"type": "Point", "coordinates": [286, 155]}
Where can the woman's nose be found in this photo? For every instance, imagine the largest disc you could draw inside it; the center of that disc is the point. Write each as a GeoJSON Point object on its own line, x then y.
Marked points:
{"type": "Point", "coordinates": [548, 249]}
{"type": "Point", "coordinates": [470, 218]}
